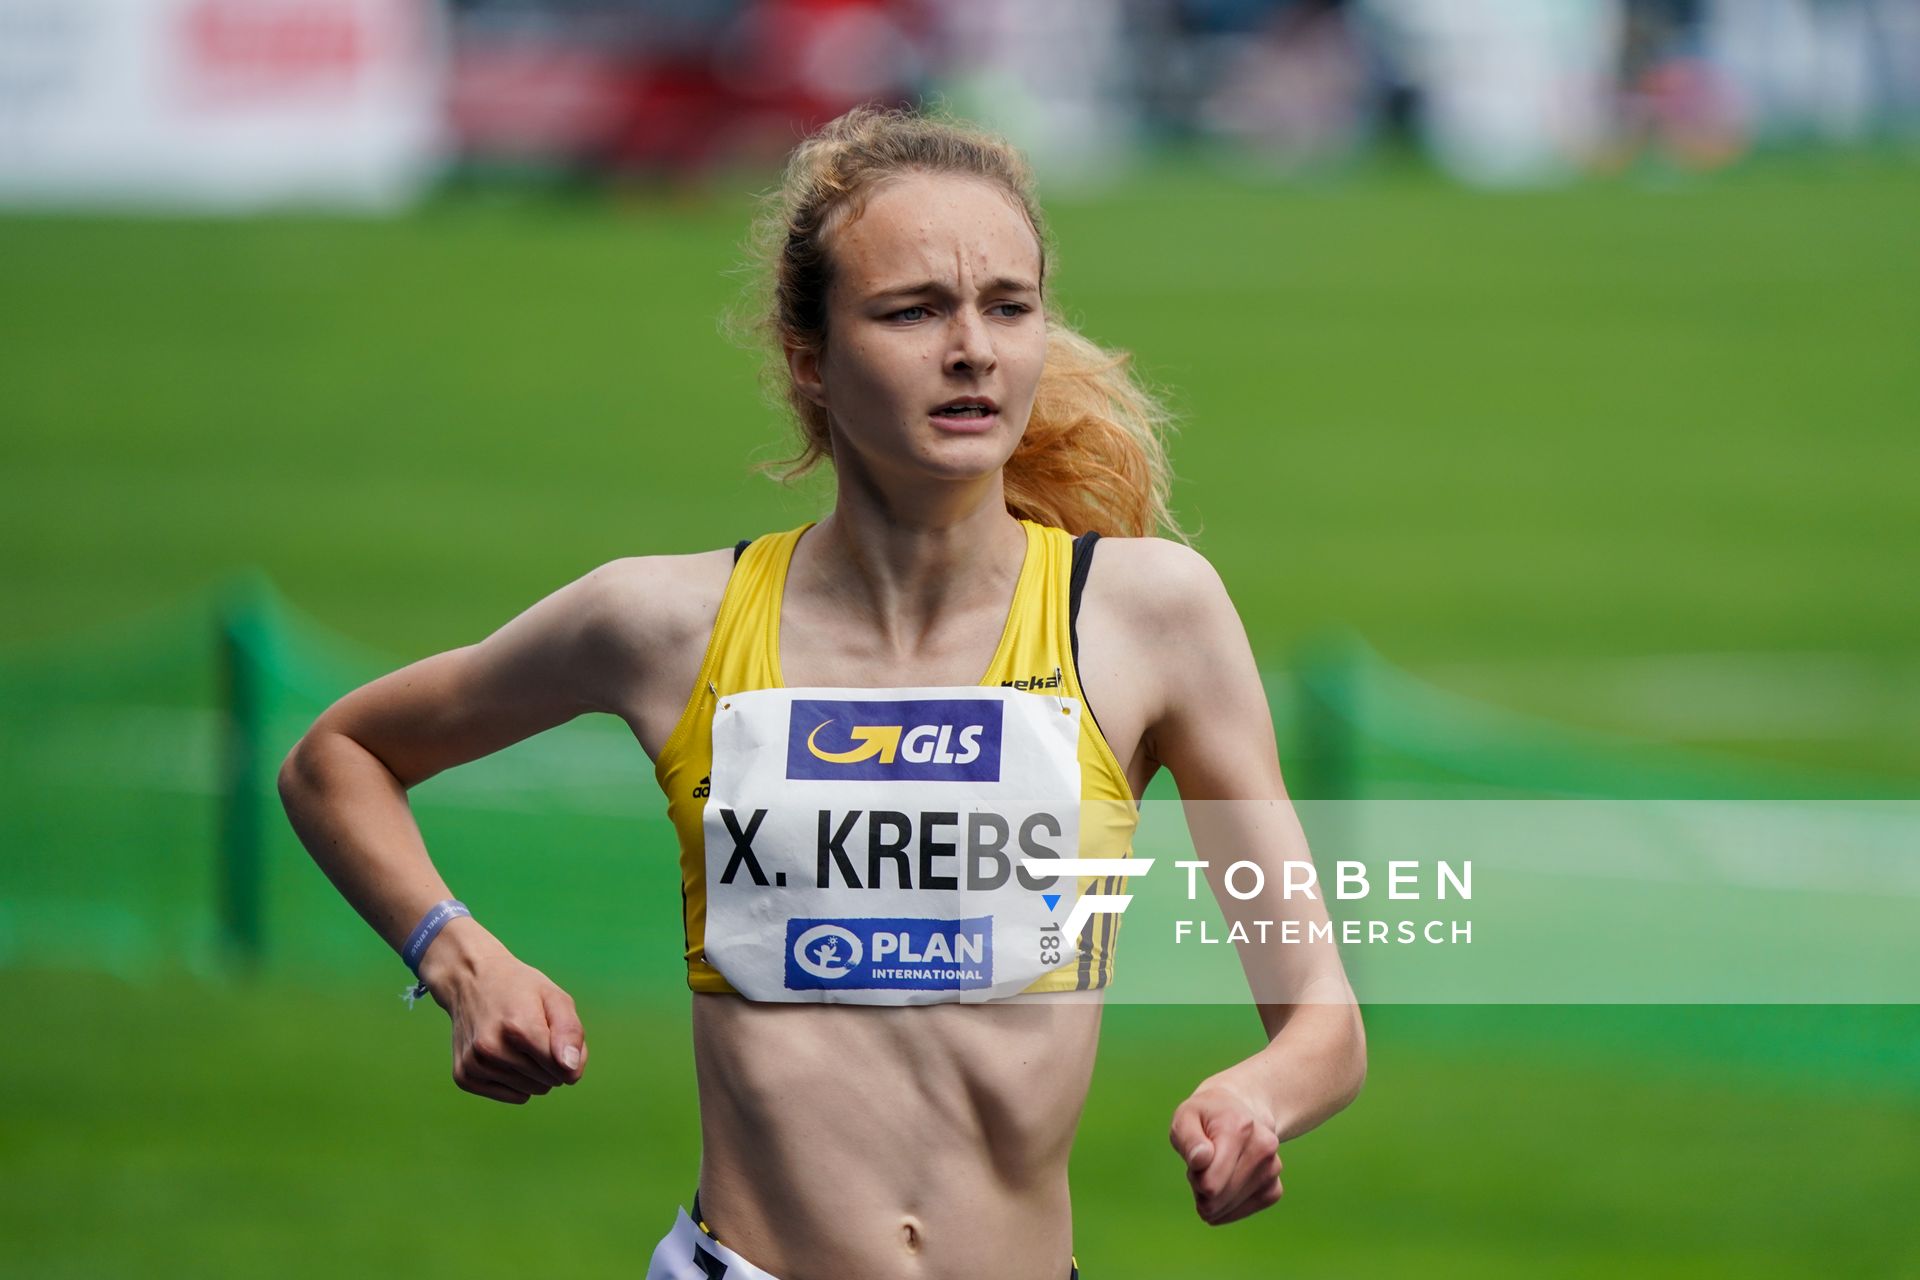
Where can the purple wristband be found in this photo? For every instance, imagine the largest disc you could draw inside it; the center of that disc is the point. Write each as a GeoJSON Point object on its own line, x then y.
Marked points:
{"type": "Point", "coordinates": [429, 928]}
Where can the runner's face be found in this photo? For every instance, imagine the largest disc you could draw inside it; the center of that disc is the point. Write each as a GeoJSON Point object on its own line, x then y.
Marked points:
{"type": "Point", "coordinates": [935, 296]}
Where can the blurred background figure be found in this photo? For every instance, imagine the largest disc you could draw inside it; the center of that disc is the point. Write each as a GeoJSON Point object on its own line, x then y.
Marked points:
{"type": "Point", "coordinates": [1673, 98]}
{"type": "Point", "coordinates": [1053, 77]}
{"type": "Point", "coordinates": [1509, 91]}
{"type": "Point", "coordinates": [1289, 84]}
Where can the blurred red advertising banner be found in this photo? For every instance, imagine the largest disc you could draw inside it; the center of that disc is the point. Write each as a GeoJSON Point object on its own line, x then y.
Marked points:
{"type": "Point", "coordinates": [608, 89]}
{"type": "Point", "coordinates": [281, 45]}
{"type": "Point", "coordinates": [219, 104]}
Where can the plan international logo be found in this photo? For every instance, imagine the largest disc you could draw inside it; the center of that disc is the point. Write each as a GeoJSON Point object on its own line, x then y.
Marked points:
{"type": "Point", "coordinates": [889, 953]}
{"type": "Point", "coordinates": [926, 740]}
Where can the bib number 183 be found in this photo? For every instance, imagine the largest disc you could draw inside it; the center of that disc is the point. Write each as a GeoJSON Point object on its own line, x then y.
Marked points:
{"type": "Point", "coordinates": [1050, 945]}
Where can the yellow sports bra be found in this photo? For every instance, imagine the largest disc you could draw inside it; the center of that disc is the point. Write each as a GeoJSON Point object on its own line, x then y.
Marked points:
{"type": "Point", "coordinates": [1035, 657]}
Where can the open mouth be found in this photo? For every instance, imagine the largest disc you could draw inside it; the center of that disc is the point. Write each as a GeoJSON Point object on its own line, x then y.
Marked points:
{"type": "Point", "coordinates": [966, 409]}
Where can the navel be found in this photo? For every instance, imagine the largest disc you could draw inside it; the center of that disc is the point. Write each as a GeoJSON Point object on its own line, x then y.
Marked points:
{"type": "Point", "coordinates": [910, 1235]}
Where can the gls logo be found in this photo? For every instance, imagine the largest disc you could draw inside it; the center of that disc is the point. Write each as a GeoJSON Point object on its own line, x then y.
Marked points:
{"type": "Point", "coordinates": [882, 741]}
{"type": "Point", "coordinates": [932, 740]}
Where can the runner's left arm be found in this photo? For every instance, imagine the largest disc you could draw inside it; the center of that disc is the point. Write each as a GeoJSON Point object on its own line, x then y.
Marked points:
{"type": "Point", "coordinates": [1213, 731]}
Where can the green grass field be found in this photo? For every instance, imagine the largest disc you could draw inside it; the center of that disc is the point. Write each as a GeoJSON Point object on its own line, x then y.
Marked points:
{"type": "Point", "coordinates": [1521, 443]}
{"type": "Point", "coordinates": [170, 1128]}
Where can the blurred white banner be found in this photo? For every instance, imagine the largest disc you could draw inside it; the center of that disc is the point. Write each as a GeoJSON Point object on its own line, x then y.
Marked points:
{"type": "Point", "coordinates": [227, 105]}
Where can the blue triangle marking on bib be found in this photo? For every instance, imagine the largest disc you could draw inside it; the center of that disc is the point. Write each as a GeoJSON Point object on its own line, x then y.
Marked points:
{"type": "Point", "coordinates": [1051, 899]}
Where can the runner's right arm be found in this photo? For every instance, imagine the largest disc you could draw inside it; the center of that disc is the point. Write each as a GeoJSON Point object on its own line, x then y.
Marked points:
{"type": "Point", "coordinates": [344, 784]}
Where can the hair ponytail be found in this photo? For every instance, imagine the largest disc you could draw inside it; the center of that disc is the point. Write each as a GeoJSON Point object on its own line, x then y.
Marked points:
{"type": "Point", "coordinates": [1093, 456]}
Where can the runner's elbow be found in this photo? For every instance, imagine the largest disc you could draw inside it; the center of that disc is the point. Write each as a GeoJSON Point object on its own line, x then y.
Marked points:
{"type": "Point", "coordinates": [313, 763]}
{"type": "Point", "coordinates": [1356, 1060]}
{"type": "Point", "coordinates": [296, 773]}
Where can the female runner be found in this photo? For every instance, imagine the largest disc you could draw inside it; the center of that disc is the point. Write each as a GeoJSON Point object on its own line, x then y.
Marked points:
{"type": "Point", "coordinates": [890, 1070]}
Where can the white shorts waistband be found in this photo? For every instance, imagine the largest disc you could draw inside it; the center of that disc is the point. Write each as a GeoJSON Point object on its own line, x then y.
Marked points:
{"type": "Point", "coordinates": [688, 1253]}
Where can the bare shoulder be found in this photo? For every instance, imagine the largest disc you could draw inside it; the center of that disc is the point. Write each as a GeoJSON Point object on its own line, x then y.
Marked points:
{"type": "Point", "coordinates": [1203, 709]}
{"type": "Point", "coordinates": [643, 615]}
{"type": "Point", "coordinates": [1161, 585]}
{"type": "Point", "coordinates": [1157, 632]}
{"type": "Point", "coordinates": [649, 601]}
{"type": "Point", "coordinates": [644, 625]}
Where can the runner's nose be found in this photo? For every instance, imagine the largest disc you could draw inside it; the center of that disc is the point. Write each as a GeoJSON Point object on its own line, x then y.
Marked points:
{"type": "Point", "coordinates": [972, 349]}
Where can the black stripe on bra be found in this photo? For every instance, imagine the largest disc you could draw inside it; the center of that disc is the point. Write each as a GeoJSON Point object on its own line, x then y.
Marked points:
{"type": "Point", "coordinates": [1076, 587]}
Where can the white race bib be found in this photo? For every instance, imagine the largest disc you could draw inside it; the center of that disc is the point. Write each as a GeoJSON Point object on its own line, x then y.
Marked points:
{"type": "Point", "coordinates": [865, 846]}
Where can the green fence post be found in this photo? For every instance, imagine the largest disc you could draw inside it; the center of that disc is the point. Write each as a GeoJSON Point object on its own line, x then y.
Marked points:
{"type": "Point", "coordinates": [245, 625]}
{"type": "Point", "coordinates": [1326, 684]}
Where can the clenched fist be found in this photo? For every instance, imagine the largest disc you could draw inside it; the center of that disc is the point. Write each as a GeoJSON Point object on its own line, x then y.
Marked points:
{"type": "Point", "coordinates": [515, 1034]}
{"type": "Point", "coordinates": [1229, 1140]}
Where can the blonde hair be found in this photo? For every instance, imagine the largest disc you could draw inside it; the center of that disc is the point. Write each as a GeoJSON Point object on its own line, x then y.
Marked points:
{"type": "Point", "coordinates": [1093, 456]}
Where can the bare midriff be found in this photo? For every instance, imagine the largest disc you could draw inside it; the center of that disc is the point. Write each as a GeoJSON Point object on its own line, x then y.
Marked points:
{"type": "Point", "coordinates": [925, 1143]}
